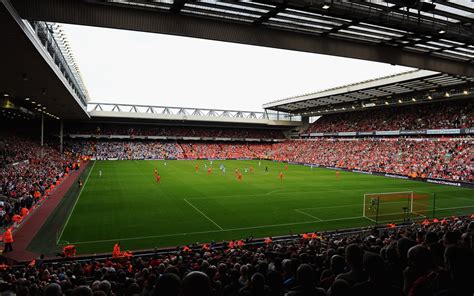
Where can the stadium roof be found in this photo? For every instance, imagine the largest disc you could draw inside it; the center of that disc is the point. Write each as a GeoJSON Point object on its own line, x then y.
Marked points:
{"type": "Point", "coordinates": [35, 77]}
{"type": "Point", "coordinates": [436, 35]}
{"type": "Point", "coordinates": [404, 87]}
{"type": "Point", "coordinates": [191, 115]}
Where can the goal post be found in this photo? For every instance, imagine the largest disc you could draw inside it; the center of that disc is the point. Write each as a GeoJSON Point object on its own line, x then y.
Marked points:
{"type": "Point", "coordinates": [390, 207]}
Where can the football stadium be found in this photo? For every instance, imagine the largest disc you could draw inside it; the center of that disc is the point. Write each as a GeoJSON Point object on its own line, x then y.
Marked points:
{"type": "Point", "coordinates": [364, 187]}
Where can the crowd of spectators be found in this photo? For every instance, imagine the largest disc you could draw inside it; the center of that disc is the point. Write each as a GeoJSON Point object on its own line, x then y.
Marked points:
{"type": "Point", "coordinates": [174, 131]}
{"type": "Point", "coordinates": [167, 149]}
{"type": "Point", "coordinates": [14, 149]}
{"type": "Point", "coordinates": [434, 258]}
{"type": "Point", "coordinates": [444, 158]}
{"type": "Point", "coordinates": [27, 171]}
{"type": "Point", "coordinates": [124, 150]}
{"type": "Point", "coordinates": [225, 150]}
{"type": "Point", "coordinates": [445, 115]}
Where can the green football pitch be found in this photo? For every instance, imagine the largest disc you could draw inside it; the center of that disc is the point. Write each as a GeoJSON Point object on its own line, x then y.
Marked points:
{"type": "Point", "coordinates": [126, 204]}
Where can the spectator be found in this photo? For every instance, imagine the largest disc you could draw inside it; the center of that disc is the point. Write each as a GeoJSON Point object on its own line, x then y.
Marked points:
{"type": "Point", "coordinates": [196, 283]}
{"type": "Point", "coordinates": [306, 285]}
{"type": "Point", "coordinates": [232, 289]}
{"type": "Point", "coordinates": [340, 288]}
{"type": "Point", "coordinates": [459, 262]}
{"type": "Point", "coordinates": [53, 290]}
{"type": "Point", "coordinates": [329, 275]}
{"type": "Point", "coordinates": [419, 274]}
{"type": "Point", "coordinates": [378, 282]}
{"type": "Point", "coordinates": [356, 273]}
{"type": "Point", "coordinates": [256, 287]}
{"type": "Point", "coordinates": [168, 284]}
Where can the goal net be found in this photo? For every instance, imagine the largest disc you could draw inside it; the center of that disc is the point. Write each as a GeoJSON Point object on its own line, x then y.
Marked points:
{"type": "Point", "coordinates": [389, 207]}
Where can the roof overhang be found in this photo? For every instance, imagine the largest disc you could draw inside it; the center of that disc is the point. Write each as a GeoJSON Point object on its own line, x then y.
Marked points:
{"type": "Point", "coordinates": [405, 86]}
{"type": "Point", "coordinates": [28, 71]}
{"type": "Point", "coordinates": [439, 40]}
{"type": "Point", "coordinates": [190, 116]}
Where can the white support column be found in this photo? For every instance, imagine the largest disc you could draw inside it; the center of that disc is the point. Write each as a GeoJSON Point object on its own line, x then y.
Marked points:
{"type": "Point", "coordinates": [61, 128]}
{"type": "Point", "coordinates": [42, 133]}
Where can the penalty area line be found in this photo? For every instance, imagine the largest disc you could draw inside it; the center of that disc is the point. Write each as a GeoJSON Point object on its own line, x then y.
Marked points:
{"type": "Point", "coordinates": [204, 215]}
{"type": "Point", "coordinates": [309, 215]}
{"type": "Point", "coordinates": [279, 192]}
{"type": "Point", "coordinates": [274, 191]}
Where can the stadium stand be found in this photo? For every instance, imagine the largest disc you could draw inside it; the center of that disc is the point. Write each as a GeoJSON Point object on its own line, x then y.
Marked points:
{"type": "Point", "coordinates": [176, 131]}
{"type": "Point", "coordinates": [442, 158]}
{"type": "Point", "coordinates": [28, 172]}
{"type": "Point", "coordinates": [430, 258]}
{"type": "Point", "coordinates": [224, 150]}
{"type": "Point", "coordinates": [127, 149]}
{"type": "Point", "coordinates": [456, 114]}
{"type": "Point", "coordinates": [167, 150]}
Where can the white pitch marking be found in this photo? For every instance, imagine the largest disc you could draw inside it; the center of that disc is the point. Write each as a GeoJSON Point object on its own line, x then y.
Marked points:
{"type": "Point", "coordinates": [75, 203]}
{"type": "Point", "coordinates": [204, 215]}
{"type": "Point", "coordinates": [237, 229]}
{"type": "Point", "coordinates": [309, 215]}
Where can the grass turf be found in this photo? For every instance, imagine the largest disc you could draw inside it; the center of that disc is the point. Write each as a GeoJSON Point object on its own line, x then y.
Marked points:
{"type": "Point", "coordinates": [126, 204]}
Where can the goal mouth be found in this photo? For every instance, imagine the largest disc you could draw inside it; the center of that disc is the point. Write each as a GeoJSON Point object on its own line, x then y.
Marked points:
{"type": "Point", "coordinates": [402, 206]}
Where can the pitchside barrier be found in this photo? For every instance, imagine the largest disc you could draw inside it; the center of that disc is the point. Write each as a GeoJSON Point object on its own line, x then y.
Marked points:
{"type": "Point", "coordinates": [396, 176]}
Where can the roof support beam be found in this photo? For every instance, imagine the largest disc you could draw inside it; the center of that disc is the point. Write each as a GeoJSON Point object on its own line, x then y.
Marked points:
{"type": "Point", "coordinates": [440, 12]}
{"type": "Point", "coordinates": [270, 14]}
{"type": "Point", "coordinates": [177, 6]}
{"type": "Point", "coordinates": [455, 5]}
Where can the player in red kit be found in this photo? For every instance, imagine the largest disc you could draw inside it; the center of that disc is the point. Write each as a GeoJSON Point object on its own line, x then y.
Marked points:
{"type": "Point", "coordinates": [158, 178]}
{"type": "Point", "coordinates": [286, 167]}
{"type": "Point", "coordinates": [251, 169]}
{"type": "Point", "coordinates": [197, 168]}
{"type": "Point", "coordinates": [209, 170]}
{"type": "Point", "coordinates": [239, 177]}
{"type": "Point", "coordinates": [337, 174]}
{"type": "Point", "coordinates": [281, 176]}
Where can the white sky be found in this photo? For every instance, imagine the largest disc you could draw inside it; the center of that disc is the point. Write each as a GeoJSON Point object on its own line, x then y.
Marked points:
{"type": "Point", "coordinates": [120, 66]}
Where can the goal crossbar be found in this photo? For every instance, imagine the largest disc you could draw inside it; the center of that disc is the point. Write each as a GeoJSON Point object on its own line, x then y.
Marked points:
{"type": "Point", "coordinates": [389, 193]}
